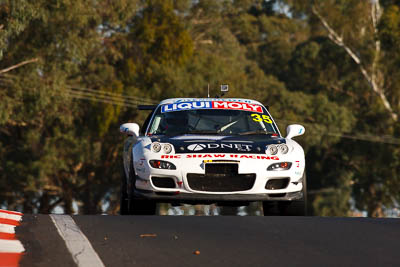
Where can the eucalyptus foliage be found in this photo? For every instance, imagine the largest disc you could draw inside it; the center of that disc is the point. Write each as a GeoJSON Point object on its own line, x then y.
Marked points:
{"type": "Point", "coordinates": [72, 71]}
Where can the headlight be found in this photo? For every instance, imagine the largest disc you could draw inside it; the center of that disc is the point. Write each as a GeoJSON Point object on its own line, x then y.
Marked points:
{"type": "Point", "coordinates": [167, 148]}
{"type": "Point", "coordinates": [160, 164]}
{"type": "Point", "coordinates": [281, 166]}
{"type": "Point", "coordinates": [283, 148]}
{"type": "Point", "coordinates": [156, 147]}
{"type": "Point", "coordinates": [272, 149]}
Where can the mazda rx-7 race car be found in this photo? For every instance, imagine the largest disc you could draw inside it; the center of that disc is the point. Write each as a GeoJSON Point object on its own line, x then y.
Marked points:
{"type": "Point", "coordinates": [212, 150]}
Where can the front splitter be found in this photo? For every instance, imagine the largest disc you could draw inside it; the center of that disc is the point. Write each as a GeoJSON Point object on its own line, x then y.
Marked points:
{"type": "Point", "coordinates": [210, 198]}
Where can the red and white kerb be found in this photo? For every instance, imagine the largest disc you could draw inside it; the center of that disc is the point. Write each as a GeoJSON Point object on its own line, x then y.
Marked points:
{"type": "Point", "coordinates": [11, 248]}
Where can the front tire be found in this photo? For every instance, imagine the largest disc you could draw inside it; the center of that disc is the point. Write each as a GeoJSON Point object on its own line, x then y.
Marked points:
{"type": "Point", "coordinates": [124, 200]}
{"type": "Point", "coordinates": [295, 207]}
{"type": "Point", "coordinates": [142, 207]}
{"type": "Point", "coordinates": [139, 206]}
{"type": "Point", "coordinates": [290, 208]}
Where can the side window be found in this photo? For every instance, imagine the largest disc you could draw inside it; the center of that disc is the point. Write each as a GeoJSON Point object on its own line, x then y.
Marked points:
{"type": "Point", "coordinates": [155, 126]}
{"type": "Point", "coordinates": [146, 123]}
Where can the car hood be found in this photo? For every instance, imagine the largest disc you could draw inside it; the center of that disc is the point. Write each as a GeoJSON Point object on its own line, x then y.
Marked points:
{"type": "Point", "coordinates": [254, 144]}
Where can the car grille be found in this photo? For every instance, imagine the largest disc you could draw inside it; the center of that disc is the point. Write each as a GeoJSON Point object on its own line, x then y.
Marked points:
{"type": "Point", "coordinates": [221, 178]}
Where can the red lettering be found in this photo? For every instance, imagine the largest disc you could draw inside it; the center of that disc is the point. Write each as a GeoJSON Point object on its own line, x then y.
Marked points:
{"type": "Point", "coordinates": [192, 156]}
{"type": "Point", "coordinates": [170, 156]}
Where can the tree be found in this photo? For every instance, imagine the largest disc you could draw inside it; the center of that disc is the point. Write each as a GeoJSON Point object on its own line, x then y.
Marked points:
{"type": "Point", "coordinates": [364, 82]}
{"type": "Point", "coordinates": [41, 136]}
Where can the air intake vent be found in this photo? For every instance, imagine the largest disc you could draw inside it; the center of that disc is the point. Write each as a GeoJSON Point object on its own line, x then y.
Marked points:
{"type": "Point", "coordinates": [280, 183]}
{"type": "Point", "coordinates": [163, 182]}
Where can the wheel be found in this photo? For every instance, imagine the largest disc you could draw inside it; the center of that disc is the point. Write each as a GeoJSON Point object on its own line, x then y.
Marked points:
{"type": "Point", "coordinates": [142, 207]}
{"type": "Point", "coordinates": [268, 208]}
{"type": "Point", "coordinates": [138, 206]}
{"type": "Point", "coordinates": [295, 207]}
{"type": "Point", "coordinates": [124, 201]}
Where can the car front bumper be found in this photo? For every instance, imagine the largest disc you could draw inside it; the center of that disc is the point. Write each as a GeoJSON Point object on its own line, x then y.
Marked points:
{"type": "Point", "coordinates": [183, 189]}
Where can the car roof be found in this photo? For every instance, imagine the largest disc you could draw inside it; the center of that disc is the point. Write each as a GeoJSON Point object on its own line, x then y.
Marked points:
{"type": "Point", "coordinates": [180, 100]}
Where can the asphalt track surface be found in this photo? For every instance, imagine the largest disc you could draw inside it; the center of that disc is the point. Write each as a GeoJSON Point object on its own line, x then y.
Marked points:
{"type": "Point", "coordinates": [219, 241]}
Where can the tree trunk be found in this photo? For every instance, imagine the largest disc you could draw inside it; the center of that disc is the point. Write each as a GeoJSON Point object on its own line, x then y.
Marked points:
{"type": "Point", "coordinates": [374, 77]}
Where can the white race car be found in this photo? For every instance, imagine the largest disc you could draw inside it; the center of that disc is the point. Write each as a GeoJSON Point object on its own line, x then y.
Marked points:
{"type": "Point", "coordinates": [212, 150]}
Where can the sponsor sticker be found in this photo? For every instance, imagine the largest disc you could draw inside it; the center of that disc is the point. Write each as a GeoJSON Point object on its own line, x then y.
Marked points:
{"type": "Point", "coordinates": [219, 156]}
{"type": "Point", "coordinates": [199, 147]}
{"type": "Point", "coordinates": [212, 99]}
{"type": "Point", "coordinates": [211, 105]}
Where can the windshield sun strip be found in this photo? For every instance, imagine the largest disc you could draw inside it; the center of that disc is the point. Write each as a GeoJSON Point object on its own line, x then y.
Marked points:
{"type": "Point", "coordinates": [263, 111]}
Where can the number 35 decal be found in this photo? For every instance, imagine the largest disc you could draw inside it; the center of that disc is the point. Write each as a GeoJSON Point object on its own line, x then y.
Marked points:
{"type": "Point", "coordinates": [259, 118]}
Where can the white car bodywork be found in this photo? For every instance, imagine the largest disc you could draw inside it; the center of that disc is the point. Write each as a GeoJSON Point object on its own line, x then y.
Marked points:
{"type": "Point", "coordinates": [191, 153]}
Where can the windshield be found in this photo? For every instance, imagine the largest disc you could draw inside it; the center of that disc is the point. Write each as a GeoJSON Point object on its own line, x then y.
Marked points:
{"type": "Point", "coordinates": [251, 121]}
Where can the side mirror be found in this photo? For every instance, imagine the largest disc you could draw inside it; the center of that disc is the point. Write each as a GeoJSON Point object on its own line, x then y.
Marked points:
{"type": "Point", "coordinates": [294, 130]}
{"type": "Point", "coordinates": [131, 129]}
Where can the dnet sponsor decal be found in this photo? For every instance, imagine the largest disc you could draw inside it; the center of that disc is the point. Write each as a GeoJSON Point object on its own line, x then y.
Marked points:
{"type": "Point", "coordinates": [211, 105]}
{"type": "Point", "coordinates": [199, 147]}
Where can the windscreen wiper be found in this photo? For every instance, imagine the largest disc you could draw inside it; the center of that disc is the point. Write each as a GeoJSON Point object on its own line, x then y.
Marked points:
{"type": "Point", "coordinates": [202, 132]}
{"type": "Point", "coordinates": [226, 126]}
{"type": "Point", "coordinates": [257, 132]}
